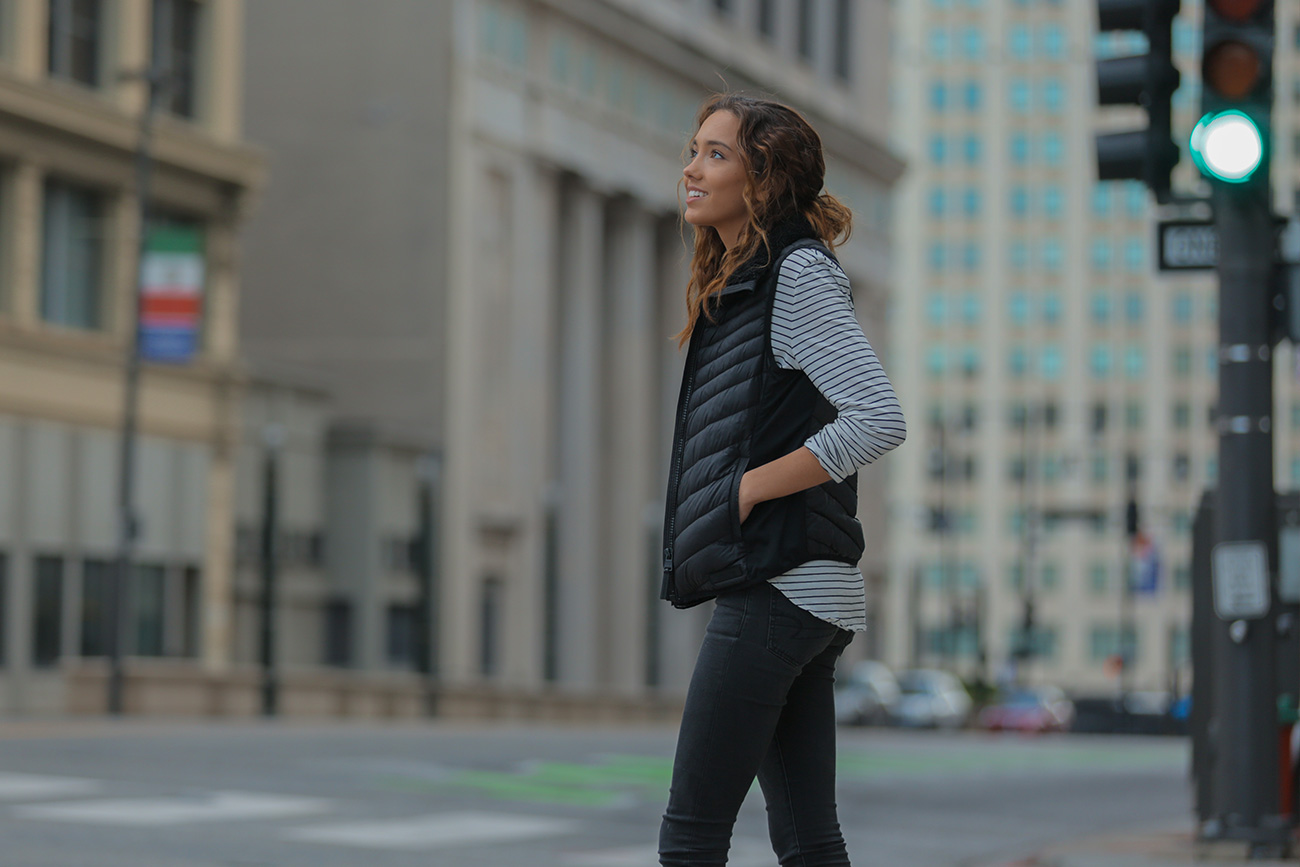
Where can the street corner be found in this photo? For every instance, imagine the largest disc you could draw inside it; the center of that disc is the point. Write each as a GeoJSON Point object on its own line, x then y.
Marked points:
{"type": "Point", "coordinates": [1172, 846]}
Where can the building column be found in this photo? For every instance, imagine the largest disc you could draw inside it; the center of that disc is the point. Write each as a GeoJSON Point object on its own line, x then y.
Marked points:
{"type": "Point", "coordinates": [579, 424]}
{"type": "Point", "coordinates": [24, 303]}
{"type": "Point", "coordinates": [631, 412]}
{"type": "Point", "coordinates": [532, 328]}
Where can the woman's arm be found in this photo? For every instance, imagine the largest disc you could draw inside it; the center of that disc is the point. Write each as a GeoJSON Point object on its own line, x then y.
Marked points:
{"type": "Point", "coordinates": [815, 330]}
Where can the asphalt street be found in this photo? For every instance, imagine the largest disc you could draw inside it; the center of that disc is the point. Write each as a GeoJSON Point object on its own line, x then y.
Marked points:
{"type": "Point", "coordinates": [288, 794]}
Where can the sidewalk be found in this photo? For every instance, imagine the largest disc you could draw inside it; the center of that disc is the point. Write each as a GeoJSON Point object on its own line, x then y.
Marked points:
{"type": "Point", "coordinates": [1164, 847]}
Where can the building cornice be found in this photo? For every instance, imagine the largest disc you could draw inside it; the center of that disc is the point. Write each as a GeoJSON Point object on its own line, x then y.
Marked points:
{"type": "Point", "coordinates": [700, 55]}
{"type": "Point", "coordinates": [61, 109]}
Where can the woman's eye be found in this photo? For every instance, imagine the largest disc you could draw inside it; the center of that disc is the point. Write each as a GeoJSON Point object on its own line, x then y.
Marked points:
{"type": "Point", "coordinates": [717, 154]}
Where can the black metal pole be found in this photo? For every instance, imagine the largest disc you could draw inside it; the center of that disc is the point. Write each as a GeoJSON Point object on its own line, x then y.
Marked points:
{"type": "Point", "coordinates": [1246, 770]}
{"type": "Point", "coordinates": [427, 615]}
{"type": "Point", "coordinates": [1126, 647]}
{"type": "Point", "coordinates": [119, 606]}
{"type": "Point", "coordinates": [270, 533]}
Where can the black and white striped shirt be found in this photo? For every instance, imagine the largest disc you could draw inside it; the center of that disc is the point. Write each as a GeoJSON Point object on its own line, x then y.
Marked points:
{"type": "Point", "coordinates": [815, 330]}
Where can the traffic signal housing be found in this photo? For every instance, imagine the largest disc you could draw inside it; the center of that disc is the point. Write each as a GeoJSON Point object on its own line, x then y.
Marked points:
{"type": "Point", "coordinates": [1231, 141]}
{"type": "Point", "coordinates": [1149, 80]}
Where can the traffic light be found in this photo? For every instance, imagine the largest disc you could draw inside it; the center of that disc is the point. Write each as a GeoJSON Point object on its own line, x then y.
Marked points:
{"type": "Point", "coordinates": [1148, 80]}
{"type": "Point", "coordinates": [1230, 142]}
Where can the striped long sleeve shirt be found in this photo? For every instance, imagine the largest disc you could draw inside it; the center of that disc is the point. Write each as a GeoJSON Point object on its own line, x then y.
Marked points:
{"type": "Point", "coordinates": [815, 330]}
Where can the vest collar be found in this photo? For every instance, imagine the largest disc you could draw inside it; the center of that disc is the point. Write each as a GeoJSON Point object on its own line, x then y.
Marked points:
{"type": "Point", "coordinates": [780, 236]}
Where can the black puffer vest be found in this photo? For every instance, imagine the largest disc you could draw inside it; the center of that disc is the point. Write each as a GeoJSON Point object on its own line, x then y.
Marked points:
{"type": "Point", "coordinates": [739, 409]}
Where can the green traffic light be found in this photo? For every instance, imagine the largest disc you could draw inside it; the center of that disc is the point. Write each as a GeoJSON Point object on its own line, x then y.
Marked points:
{"type": "Point", "coordinates": [1227, 146]}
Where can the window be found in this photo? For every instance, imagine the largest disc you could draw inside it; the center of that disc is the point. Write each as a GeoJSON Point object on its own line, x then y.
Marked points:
{"type": "Point", "coordinates": [807, 38]}
{"type": "Point", "coordinates": [970, 202]}
{"type": "Point", "coordinates": [970, 309]}
{"type": "Point", "coordinates": [1019, 202]}
{"type": "Point", "coordinates": [1051, 363]}
{"type": "Point", "coordinates": [1053, 149]}
{"type": "Point", "coordinates": [72, 266]}
{"type": "Point", "coordinates": [936, 309]}
{"type": "Point", "coordinates": [1020, 149]}
{"type": "Point", "coordinates": [1053, 41]}
{"type": "Point", "coordinates": [1052, 202]}
{"type": "Point", "coordinates": [1098, 579]}
{"type": "Point", "coordinates": [1019, 42]}
{"type": "Point", "coordinates": [338, 632]}
{"type": "Point", "coordinates": [1133, 415]}
{"type": "Point", "coordinates": [972, 96]}
{"type": "Point", "coordinates": [1053, 95]}
{"type": "Point", "coordinates": [148, 596]}
{"type": "Point", "coordinates": [1018, 361]}
{"type": "Point", "coordinates": [1039, 643]}
{"type": "Point", "coordinates": [767, 18]}
{"type": "Point", "coordinates": [1182, 413]}
{"type": "Point", "coordinates": [47, 611]}
{"type": "Point", "coordinates": [1101, 255]}
{"type": "Point", "coordinates": [1019, 255]}
{"type": "Point", "coordinates": [972, 41]}
{"type": "Point", "coordinates": [938, 256]}
{"type": "Point", "coordinates": [1182, 304]}
{"type": "Point", "coordinates": [938, 203]}
{"type": "Point", "coordinates": [1135, 198]}
{"type": "Point", "coordinates": [96, 587]}
{"type": "Point", "coordinates": [1020, 96]}
{"type": "Point", "coordinates": [1107, 641]}
{"type": "Point", "coordinates": [1135, 254]}
{"type": "Point", "coordinates": [938, 96]}
{"type": "Point", "coordinates": [75, 36]}
{"type": "Point", "coordinates": [1101, 361]}
{"type": "Point", "coordinates": [840, 64]}
{"type": "Point", "coordinates": [1134, 307]}
{"type": "Point", "coordinates": [1053, 255]}
{"type": "Point", "coordinates": [939, 43]}
{"type": "Point", "coordinates": [971, 150]}
{"type": "Point", "coordinates": [1052, 308]}
{"type": "Point", "coordinates": [938, 150]}
{"type": "Point", "coordinates": [1100, 307]}
{"type": "Point", "coordinates": [175, 45]}
{"type": "Point", "coordinates": [970, 256]}
{"type": "Point", "coordinates": [1182, 467]}
{"type": "Point", "coordinates": [1134, 362]}
{"type": "Point", "coordinates": [401, 636]}
{"type": "Point", "coordinates": [1018, 308]}
{"type": "Point", "coordinates": [1101, 200]}
{"type": "Point", "coordinates": [1099, 415]}
{"type": "Point", "coordinates": [1182, 361]}
{"type": "Point", "coordinates": [490, 613]}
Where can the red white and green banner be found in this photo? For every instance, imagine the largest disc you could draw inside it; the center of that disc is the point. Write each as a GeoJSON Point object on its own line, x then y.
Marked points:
{"type": "Point", "coordinates": [171, 294]}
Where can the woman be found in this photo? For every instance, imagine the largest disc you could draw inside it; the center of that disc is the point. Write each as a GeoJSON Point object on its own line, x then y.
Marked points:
{"type": "Point", "coordinates": [782, 401]}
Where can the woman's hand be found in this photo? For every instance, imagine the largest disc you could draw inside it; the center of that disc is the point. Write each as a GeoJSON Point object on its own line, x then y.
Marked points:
{"type": "Point", "coordinates": [747, 502]}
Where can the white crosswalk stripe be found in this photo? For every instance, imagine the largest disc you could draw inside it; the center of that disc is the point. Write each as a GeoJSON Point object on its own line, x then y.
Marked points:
{"type": "Point", "coordinates": [744, 853]}
{"type": "Point", "coordinates": [21, 787]}
{"type": "Point", "coordinates": [209, 807]}
{"type": "Point", "coordinates": [439, 830]}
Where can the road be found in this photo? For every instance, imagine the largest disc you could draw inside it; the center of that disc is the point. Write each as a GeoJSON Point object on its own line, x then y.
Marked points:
{"type": "Point", "coordinates": [288, 794]}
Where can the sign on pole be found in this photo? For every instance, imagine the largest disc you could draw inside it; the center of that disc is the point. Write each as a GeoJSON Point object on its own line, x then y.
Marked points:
{"type": "Point", "coordinates": [1187, 245]}
{"type": "Point", "coordinates": [171, 294]}
{"type": "Point", "coordinates": [1240, 578]}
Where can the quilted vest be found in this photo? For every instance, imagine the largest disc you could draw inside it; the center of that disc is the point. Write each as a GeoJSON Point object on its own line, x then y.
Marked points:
{"type": "Point", "coordinates": [738, 409]}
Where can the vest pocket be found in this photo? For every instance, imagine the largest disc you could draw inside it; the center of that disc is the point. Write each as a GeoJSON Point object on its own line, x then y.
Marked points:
{"type": "Point", "coordinates": [733, 495]}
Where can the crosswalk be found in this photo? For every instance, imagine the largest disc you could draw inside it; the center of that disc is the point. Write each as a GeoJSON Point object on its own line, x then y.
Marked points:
{"type": "Point", "coordinates": [312, 821]}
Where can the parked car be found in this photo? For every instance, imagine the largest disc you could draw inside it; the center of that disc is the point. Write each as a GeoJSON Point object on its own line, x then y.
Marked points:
{"type": "Point", "coordinates": [867, 694]}
{"type": "Point", "coordinates": [932, 699]}
{"type": "Point", "coordinates": [1034, 709]}
{"type": "Point", "coordinates": [1140, 713]}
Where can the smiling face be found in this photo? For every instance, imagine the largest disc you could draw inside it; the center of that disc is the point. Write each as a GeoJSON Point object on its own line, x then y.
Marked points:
{"type": "Point", "coordinates": [715, 178]}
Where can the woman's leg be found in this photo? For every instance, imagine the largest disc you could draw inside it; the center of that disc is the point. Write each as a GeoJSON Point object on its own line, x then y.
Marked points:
{"type": "Point", "coordinates": [732, 710]}
{"type": "Point", "coordinates": [798, 772]}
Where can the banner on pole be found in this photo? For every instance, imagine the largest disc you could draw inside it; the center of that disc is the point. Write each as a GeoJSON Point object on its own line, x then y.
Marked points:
{"type": "Point", "coordinates": [171, 294]}
{"type": "Point", "coordinates": [1144, 577]}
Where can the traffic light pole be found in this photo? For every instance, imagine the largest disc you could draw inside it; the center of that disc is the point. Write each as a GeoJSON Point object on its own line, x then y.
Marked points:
{"type": "Point", "coordinates": [1247, 778]}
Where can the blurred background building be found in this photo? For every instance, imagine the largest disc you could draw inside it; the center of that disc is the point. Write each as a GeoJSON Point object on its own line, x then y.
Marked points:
{"type": "Point", "coordinates": [70, 100]}
{"type": "Point", "coordinates": [465, 274]}
{"type": "Point", "coordinates": [1053, 374]}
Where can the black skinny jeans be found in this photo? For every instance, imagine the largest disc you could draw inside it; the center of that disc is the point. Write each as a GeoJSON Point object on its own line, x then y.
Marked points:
{"type": "Point", "coordinates": [761, 702]}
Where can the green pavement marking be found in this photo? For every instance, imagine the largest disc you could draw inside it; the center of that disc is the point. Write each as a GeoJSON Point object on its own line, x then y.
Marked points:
{"type": "Point", "coordinates": [607, 784]}
{"type": "Point", "coordinates": [866, 765]}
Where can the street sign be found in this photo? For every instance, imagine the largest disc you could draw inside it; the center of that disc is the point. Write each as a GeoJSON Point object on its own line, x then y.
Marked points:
{"type": "Point", "coordinates": [1187, 245]}
{"type": "Point", "coordinates": [1240, 577]}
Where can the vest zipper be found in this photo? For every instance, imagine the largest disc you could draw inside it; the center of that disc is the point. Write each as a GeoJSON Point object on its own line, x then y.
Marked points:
{"type": "Point", "coordinates": [667, 591]}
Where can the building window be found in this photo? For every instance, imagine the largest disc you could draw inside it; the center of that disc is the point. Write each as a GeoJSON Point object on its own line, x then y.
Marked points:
{"type": "Point", "coordinates": [401, 636]}
{"type": "Point", "coordinates": [490, 614]}
{"type": "Point", "coordinates": [970, 309]}
{"type": "Point", "coordinates": [1052, 363]}
{"type": "Point", "coordinates": [4, 604]}
{"type": "Point", "coordinates": [338, 632]}
{"type": "Point", "coordinates": [938, 150]}
{"type": "Point", "coordinates": [1020, 96]}
{"type": "Point", "coordinates": [75, 37]}
{"type": "Point", "coordinates": [1053, 202]}
{"type": "Point", "coordinates": [1052, 308]}
{"type": "Point", "coordinates": [96, 585]}
{"type": "Point", "coordinates": [1019, 202]}
{"type": "Point", "coordinates": [1020, 149]}
{"type": "Point", "coordinates": [175, 43]}
{"type": "Point", "coordinates": [972, 96]}
{"type": "Point", "coordinates": [1018, 362]}
{"type": "Point", "coordinates": [807, 35]}
{"type": "Point", "coordinates": [1098, 579]}
{"type": "Point", "coordinates": [1134, 362]}
{"type": "Point", "coordinates": [1053, 255]}
{"type": "Point", "coordinates": [72, 256]}
{"type": "Point", "coordinates": [1053, 149]}
{"type": "Point", "coordinates": [1053, 96]}
{"type": "Point", "coordinates": [1018, 308]}
{"type": "Point", "coordinates": [939, 96]}
{"type": "Point", "coordinates": [148, 596]}
{"type": "Point", "coordinates": [970, 202]}
{"type": "Point", "coordinates": [1182, 467]}
{"type": "Point", "coordinates": [939, 43]}
{"type": "Point", "coordinates": [1101, 361]}
{"type": "Point", "coordinates": [971, 150]}
{"type": "Point", "coordinates": [191, 611]}
{"type": "Point", "coordinates": [938, 203]}
{"type": "Point", "coordinates": [722, 7]}
{"type": "Point", "coordinates": [972, 43]}
{"type": "Point", "coordinates": [1101, 254]}
{"type": "Point", "coordinates": [1101, 200]}
{"type": "Point", "coordinates": [767, 18]}
{"type": "Point", "coordinates": [1182, 415]}
{"type": "Point", "coordinates": [1019, 42]}
{"type": "Point", "coordinates": [1101, 305]}
{"type": "Point", "coordinates": [1182, 307]}
{"type": "Point", "coordinates": [47, 611]}
{"type": "Point", "coordinates": [1108, 641]}
{"type": "Point", "coordinates": [1053, 40]}
{"type": "Point", "coordinates": [841, 64]}
{"type": "Point", "coordinates": [1099, 415]}
{"type": "Point", "coordinates": [1182, 361]}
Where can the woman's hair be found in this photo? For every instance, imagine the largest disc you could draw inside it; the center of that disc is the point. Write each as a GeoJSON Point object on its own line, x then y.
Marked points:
{"type": "Point", "coordinates": [785, 170]}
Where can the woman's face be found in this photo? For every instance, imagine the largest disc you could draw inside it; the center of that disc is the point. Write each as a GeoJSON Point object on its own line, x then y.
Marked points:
{"type": "Point", "coordinates": [715, 178]}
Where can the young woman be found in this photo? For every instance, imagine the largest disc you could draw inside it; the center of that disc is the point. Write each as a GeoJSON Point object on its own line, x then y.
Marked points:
{"type": "Point", "coordinates": [782, 401]}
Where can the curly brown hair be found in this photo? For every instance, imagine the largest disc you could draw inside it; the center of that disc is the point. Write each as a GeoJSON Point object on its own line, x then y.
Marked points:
{"type": "Point", "coordinates": [782, 155]}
